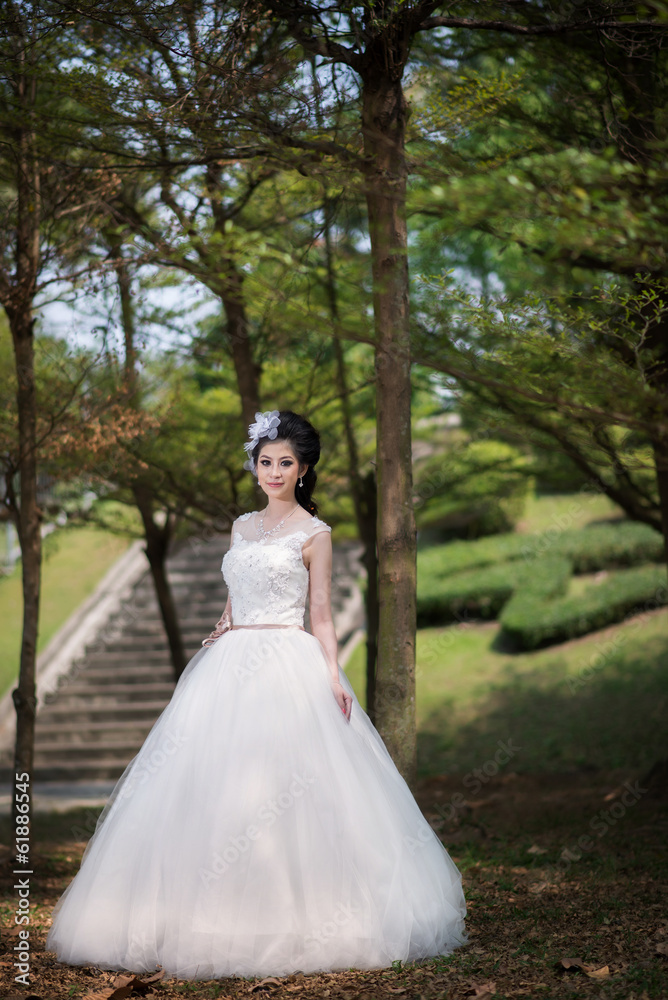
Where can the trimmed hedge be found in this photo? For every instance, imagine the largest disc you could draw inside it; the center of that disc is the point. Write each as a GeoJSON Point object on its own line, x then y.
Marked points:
{"type": "Point", "coordinates": [478, 593]}
{"type": "Point", "coordinates": [530, 619]}
{"type": "Point", "coordinates": [456, 557]}
{"type": "Point", "coordinates": [600, 546]}
{"type": "Point", "coordinates": [483, 593]}
{"type": "Point", "coordinates": [523, 580]}
{"type": "Point", "coordinates": [606, 546]}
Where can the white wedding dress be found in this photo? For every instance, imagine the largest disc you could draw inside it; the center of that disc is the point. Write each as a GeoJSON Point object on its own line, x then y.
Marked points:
{"type": "Point", "coordinates": [258, 831]}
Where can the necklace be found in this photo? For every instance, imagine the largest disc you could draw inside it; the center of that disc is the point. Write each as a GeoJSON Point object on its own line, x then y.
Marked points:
{"type": "Point", "coordinates": [266, 534]}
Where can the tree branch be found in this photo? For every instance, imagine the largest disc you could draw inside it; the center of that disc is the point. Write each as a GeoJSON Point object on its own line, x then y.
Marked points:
{"type": "Point", "coordinates": [533, 29]}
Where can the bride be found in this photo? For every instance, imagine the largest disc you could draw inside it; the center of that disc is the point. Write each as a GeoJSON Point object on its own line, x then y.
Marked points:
{"type": "Point", "coordinates": [263, 828]}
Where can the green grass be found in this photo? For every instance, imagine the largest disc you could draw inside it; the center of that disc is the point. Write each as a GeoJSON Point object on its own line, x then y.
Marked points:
{"type": "Point", "coordinates": [600, 701]}
{"type": "Point", "coordinates": [75, 560]}
{"type": "Point", "coordinates": [566, 510]}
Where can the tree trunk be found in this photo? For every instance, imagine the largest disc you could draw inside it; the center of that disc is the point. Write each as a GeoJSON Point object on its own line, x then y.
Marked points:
{"type": "Point", "coordinates": [363, 489]}
{"type": "Point", "coordinates": [246, 370]}
{"type": "Point", "coordinates": [124, 281]}
{"type": "Point", "coordinates": [28, 527]}
{"type": "Point", "coordinates": [370, 560]}
{"type": "Point", "coordinates": [18, 292]}
{"type": "Point", "coordinates": [156, 538]}
{"type": "Point", "coordinates": [157, 546]}
{"type": "Point", "coordinates": [384, 115]}
{"type": "Point", "coordinates": [657, 340]}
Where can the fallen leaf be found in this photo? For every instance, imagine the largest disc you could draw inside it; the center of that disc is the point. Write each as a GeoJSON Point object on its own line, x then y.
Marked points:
{"type": "Point", "coordinates": [134, 985]}
{"type": "Point", "coordinates": [483, 991]}
{"type": "Point", "coordinates": [598, 973]}
{"type": "Point", "coordinates": [580, 966]}
{"type": "Point", "coordinates": [535, 849]}
{"type": "Point", "coordinates": [265, 984]}
{"type": "Point", "coordinates": [110, 993]}
{"type": "Point", "coordinates": [662, 948]}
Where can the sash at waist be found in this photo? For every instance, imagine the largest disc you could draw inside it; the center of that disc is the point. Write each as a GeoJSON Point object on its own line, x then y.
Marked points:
{"type": "Point", "coordinates": [270, 626]}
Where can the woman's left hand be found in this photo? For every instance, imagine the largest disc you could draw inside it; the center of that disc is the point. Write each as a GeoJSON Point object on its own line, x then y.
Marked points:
{"type": "Point", "coordinates": [343, 699]}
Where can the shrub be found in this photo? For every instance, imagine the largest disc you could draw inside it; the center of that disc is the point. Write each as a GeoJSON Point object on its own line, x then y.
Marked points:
{"type": "Point", "coordinates": [530, 619]}
{"type": "Point", "coordinates": [456, 557]}
{"type": "Point", "coordinates": [474, 489]}
{"type": "Point", "coordinates": [479, 593]}
{"type": "Point", "coordinates": [599, 546]}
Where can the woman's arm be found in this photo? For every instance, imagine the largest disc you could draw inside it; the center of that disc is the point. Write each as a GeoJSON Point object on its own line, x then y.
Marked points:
{"type": "Point", "coordinates": [320, 610]}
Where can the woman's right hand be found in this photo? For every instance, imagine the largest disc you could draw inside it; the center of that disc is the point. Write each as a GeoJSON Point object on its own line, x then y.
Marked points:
{"type": "Point", "coordinates": [222, 625]}
{"type": "Point", "coordinates": [343, 699]}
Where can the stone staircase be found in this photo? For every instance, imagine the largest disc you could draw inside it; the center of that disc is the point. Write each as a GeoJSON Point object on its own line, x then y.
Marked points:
{"type": "Point", "coordinates": [93, 724]}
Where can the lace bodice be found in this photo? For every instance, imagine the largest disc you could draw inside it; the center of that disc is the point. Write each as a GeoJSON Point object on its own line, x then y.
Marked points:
{"type": "Point", "coordinates": [266, 577]}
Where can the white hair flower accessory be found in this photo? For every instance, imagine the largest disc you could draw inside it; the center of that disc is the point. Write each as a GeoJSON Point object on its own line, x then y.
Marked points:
{"type": "Point", "coordinates": [266, 425]}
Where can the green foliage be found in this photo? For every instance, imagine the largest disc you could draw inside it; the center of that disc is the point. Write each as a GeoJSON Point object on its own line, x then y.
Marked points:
{"type": "Point", "coordinates": [531, 619]}
{"type": "Point", "coordinates": [519, 577]}
{"type": "Point", "coordinates": [476, 593]}
{"type": "Point", "coordinates": [472, 487]}
{"type": "Point", "coordinates": [599, 546]}
{"type": "Point", "coordinates": [607, 546]}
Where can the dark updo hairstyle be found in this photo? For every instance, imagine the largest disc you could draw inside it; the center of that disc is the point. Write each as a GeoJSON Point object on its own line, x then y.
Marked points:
{"type": "Point", "coordinates": [304, 440]}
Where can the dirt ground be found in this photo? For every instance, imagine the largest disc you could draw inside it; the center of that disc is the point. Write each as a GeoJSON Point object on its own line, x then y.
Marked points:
{"type": "Point", "coordinates": [565, 879]}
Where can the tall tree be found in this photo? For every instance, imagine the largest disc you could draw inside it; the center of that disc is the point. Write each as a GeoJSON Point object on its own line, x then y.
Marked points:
{"type": "Point", "coordinates": [575, 178]}
{"type": "Point", "coordinates": [43, 191]}
{"type": "Point", "coordinates": [373, 41]}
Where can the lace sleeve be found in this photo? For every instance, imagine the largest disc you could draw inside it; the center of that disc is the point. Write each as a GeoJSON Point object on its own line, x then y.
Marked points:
{"type": "Point", "coordinates": [318, 527]}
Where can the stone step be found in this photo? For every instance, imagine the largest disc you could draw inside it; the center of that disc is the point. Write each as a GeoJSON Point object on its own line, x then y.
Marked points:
{"type": "Point", "coordinates": [94, 694]}
{"type": "Point", "coordinates": [149, 640]}
{"type": "Point", "coordinates": [115, 658]}
{"type": "Point", "coordinates": [128, 673]}
{"type": "Point", "coordinates": [86, 731]}
{"type": "Point", "coordinates": [70, 771]}
{"type": "Point", "coordinates": [46, 753]}
{"type": "Point", "coordinates": [149, 621]}
{"type": "Point", "coordinates": [106, 712]}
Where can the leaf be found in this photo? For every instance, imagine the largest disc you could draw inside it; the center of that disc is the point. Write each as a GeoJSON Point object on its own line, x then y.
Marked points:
{"type": "Point", "coordinates": [265, 984]}
{"type": "Point", "coordinates": [580, 966]}
{"type": "Point", "coordinates": [598, 973]}
{"type": "Point", "coordinates": [535, 849]}
{"type": "Point", "coordinates": [662, 948]}
{"type": "Point", "coordinates": [482, 991]}
{"type": "Point", "coordinates": [127, 986]}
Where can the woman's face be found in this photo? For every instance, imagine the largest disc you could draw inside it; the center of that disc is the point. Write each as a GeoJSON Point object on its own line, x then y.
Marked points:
{"type": "Point", "coordinates": [278, 469]}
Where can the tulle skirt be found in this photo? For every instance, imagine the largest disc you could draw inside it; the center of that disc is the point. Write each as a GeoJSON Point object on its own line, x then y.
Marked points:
{"type": "Point", "coordinates": [259, 832]}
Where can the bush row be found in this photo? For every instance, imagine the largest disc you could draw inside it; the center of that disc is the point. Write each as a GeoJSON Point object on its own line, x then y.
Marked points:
{"type": "Point", "coordinates": [482, 593]}
{"type": "Point", "coordinates": [534, 618]}
{"type": "Point", "coordinates": [478, 593]}
{"type": "Point", "coordinates": [601, 546]}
